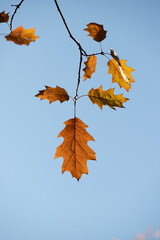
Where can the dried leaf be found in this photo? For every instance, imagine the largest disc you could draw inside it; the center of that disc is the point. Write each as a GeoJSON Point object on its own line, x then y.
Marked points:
{"type": "Point", "coordinates": [74, 149]}
{"type": "Point", "coordinates": [96, 31]}
{"type": "Point", "coordinates": [107, 98]}
{"type": "Point", "coordinates": [4, 17]}
{"type": "Point", "coordinates": [53, 94]}
{"type": "Point", "coordinates": [115, 56]}
{"type": "Point", "coordinates": [121, 74]}
{"type": "Point", "coordinates": [22, 36]}
{"type": "Point", "coordinates": [90, 67]}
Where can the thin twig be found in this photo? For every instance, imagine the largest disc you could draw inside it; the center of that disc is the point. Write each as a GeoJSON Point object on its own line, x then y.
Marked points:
{"type": "Point", "coordinates": [100, 53]}
{"type": "Point", "coordinates": [82, 53]}
{"type": "Point", "coordinates": [71, 36]}
{"type": "Point", "coordinates": [79, 74]}
{"type": "Point", "coordinates": [17, 6]}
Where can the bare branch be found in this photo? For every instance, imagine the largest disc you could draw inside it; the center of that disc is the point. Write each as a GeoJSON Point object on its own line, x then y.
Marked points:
{"type": "Point", "coordinates": [71, 36]}
{"type": "Point", "coordinates": [17, 6]}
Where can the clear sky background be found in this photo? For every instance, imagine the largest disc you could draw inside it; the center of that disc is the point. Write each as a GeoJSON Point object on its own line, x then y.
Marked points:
{"type": "Point", "coordinates": [120, 197]}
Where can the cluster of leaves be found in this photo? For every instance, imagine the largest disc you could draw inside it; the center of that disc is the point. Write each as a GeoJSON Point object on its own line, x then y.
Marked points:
{"type": "Point", "coordinates": [74, 149]}
{"type": "Point", "coordinates": [19, 35]}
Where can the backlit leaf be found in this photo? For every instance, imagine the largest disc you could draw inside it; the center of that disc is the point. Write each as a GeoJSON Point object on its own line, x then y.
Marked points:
{"type": "Point", "coordinates": [4, 17]}
{"type": "Point", "coordinates": [96, 31]}
{"type": "Point", "coordinates": [53, 94]}
{"type": "Point", "coordinates": [107, 98]}
{"type": "Point", "coordinates": [90, 67]}
{"type": "Point", "coordinates": [22, 36]}
{"type": "Point", "coordinates": [74, 149]}
{"type": "Point", "coordinates": [121, 74]}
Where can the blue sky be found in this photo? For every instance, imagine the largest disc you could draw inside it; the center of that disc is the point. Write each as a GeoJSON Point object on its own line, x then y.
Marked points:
{"type": "Point", "coordinates": [120, 196]}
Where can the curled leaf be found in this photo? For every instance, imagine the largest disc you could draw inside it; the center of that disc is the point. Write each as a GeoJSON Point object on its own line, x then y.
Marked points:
{"type": "Point", "coordinates": [121, 73]}
{"type": "Point", "coordinates": [4, 17]}
{"type": "Point", "coordinates": [90, 67]}
{"type": "Point", "coordinates": [96, 31]}
{"type": "Point", "coordinates": [106, 98]}
{"type": "Point", "coordinates": [53, 94]}
{"type": "Point", "coordinates": [74, 149]}
{"type": "Point", "coordinates": [115, 56]}
{"type": "Point", "coordinates": [22, 36]}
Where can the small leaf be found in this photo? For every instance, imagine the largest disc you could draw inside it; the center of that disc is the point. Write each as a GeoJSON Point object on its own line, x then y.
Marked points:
{"type": "Point", "coordinates": [96, 31]}
{"type": "Point", "coordinates": [107, 98]}
{"type": "Point", "coordinates": [22, 36]}
{"type": "Point", "coordinates": [53, 94]}
{"type": "Point", "coordinates": [74, 149]}
{"type": "Point", "coordinates": [121, 73]}
{"type": "Point", "coordinates": [4, 17]}
{"type": "Point", "coordinates": [90, 67]}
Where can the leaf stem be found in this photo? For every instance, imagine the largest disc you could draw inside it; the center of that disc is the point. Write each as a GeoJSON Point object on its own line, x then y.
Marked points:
{"type": "Point", "coordinates": [82, 96]}
{"type": "Point", "coordinates": [75, 108]}
{"type": "Point", "coordinates": [101, 47]}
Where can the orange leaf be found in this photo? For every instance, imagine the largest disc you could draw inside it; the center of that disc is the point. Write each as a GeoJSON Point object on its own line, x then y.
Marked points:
{"type": "Point", "coordinates": [107, 98]}
{"type": "Point", "coordinates": [90, 67]}
{"type": "Point", "coordinates": [22, 36]}
{"type": "Point", "coordinates": [121, 74]}
{"type": "Point", "coordinates": [53, 94]}
{"type": "Point", "coordinates": [4, 17]}
{"type": "Point", "coordinates": [96, 31]}
{"type": "Point", "coordinates": [74, 149]}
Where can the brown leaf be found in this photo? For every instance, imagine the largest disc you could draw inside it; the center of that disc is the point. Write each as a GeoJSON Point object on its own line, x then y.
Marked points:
{"type": "Point", "coordinates": [96, 31]}
{"type": "Point", "coordinates": [74, 149]}
{"type": "Point", "coordinates": [107, 98]}
{"type": "Point", "coordinates": [53, 94]}
{"type": "Point", "coordinates": [121, 73]}
{"type": "Point", "coordinates": [4, 17]}
{"type": "Point", "coordinates": [22, 36]}
{"type": "Point", "coordinates": [90, 67]}
{"type": "Point", "coordinates": [115, 56]}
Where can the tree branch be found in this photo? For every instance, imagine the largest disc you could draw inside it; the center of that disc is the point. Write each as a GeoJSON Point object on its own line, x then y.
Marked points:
{"type": "Point", "coordinates": [17, 6]}
{"type": "Point", "coordinates": [71, 36]}
{"type": "Point", "coordinates": [79, 75]}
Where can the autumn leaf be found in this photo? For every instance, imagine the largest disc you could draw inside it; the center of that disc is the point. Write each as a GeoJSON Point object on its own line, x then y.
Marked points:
{"type": "Point", "coordinates": [121, 74]}
{"type": "Point", "coordinates": [90, 67]}
{"type": "Point", "coordinates": [115, 56]}
{"type": "Point", "coordinates": [4, 17]}
{"type": "Point", "coordinates": [53, 94]}
{"type": "Point", "coordinates": [96, 31]}
{"type": "Point", "coordinates": [107, 98]}
{"type": "Point", "coordinates": [74, 149]}
{"type": "Point", "coordinates": [22, 36]}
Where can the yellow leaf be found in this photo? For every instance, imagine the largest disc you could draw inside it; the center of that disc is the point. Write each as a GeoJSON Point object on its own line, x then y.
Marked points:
{"type": "Point", "coordinates": [22, 36]}
{"type": "Point", "coordinates": [53, 94]}
{"type": "Point", "coordinates": [121, 74]}
{"type": "Point", "coordinates": [74, 149]}
{"type": "Point", "coordinates": [4, 17]}
{"type": "Point", "coordinates": [107, 98]}
{"type": "Point", "coordinates": [90, 67]}
{"type": "Point", "coordinates": [96, 31]}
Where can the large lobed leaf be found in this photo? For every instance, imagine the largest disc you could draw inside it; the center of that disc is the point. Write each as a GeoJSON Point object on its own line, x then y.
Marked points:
{"type": "Point", "coordinates": [22, 36]}
{"type": "Point", "coordinates": [107, 98]}
{"type": "Point", "coordinates": [53, 94]}
{"type": "Point", "coordinates": [121, 73]}
{"type": "Point", "coordinates": [96, 31]}
{"type": "Point", "coordinates": [90, 67]}
{"type": "Point", "coordinates": [74, 149]}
